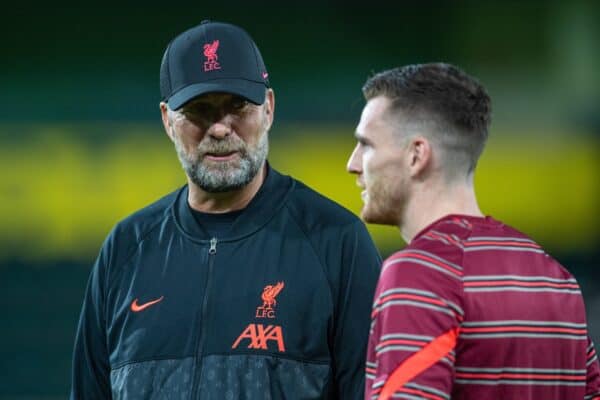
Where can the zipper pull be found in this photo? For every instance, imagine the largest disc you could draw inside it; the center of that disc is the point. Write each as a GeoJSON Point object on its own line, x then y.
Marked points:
{"type": "Point", "coordinates": [213, 246]}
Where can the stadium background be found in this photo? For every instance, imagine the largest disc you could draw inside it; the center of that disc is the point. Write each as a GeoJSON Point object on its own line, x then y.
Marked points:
{"type": "Point", "coordinates": [81, 144]}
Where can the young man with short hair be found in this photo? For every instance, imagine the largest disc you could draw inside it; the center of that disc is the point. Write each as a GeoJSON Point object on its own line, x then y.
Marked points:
{"type": "Point", "coordinates": [471, 308]}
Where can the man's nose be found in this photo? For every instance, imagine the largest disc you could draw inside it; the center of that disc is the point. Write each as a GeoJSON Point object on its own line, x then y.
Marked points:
{"type": "Point", "coordinates": [220, 128]}
{"type": "Point", "coordinates": [354, 164]}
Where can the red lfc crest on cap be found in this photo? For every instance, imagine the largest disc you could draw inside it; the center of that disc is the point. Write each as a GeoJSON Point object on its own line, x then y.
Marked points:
{"type": "Point", "coordinates": [210, 52]}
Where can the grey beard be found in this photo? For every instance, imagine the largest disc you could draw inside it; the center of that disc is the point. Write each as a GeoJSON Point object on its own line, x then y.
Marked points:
{"type": "Point", "coordinates": [224, 177]}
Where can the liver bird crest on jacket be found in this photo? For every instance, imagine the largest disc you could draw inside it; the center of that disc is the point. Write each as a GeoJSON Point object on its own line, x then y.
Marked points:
{"type": "Point", "coordinates": [269, 293]}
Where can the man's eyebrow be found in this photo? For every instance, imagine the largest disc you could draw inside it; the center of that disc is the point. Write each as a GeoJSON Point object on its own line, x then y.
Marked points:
{"type": "Point", "coordinates": [361, 139]}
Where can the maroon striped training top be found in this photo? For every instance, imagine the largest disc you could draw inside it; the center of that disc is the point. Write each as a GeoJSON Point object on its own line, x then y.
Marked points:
{"type": "Point", "coordinates": [520, 316]}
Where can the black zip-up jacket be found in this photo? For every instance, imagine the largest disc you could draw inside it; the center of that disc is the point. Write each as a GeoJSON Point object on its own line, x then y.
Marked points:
{"type": "Point", "coordinates": [278, 309]}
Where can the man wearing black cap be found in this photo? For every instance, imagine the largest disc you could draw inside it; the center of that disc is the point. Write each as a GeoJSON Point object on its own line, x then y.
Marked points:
{"type": "Point", "coordinates": [243, 284]}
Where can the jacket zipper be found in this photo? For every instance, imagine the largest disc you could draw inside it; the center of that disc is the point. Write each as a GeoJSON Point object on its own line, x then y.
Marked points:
{"type": "Point", "coordinates": [198, 371]}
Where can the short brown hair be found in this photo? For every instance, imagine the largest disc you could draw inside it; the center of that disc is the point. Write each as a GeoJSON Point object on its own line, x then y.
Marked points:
{"type": "Point", "coordinates": [457, 103]}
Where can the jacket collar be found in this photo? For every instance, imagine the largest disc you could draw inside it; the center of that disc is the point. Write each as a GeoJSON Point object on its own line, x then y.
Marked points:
{"type": "Point", "coordinates": [268, 200]}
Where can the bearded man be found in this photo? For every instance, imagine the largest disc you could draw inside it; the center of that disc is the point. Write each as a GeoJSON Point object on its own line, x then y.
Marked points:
{"type": "Point", "coordinates": [244, 283]}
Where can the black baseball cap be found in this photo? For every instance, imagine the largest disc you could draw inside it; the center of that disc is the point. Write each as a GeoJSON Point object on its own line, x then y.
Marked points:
{"type": "Point", "coordinates": [212, 57]}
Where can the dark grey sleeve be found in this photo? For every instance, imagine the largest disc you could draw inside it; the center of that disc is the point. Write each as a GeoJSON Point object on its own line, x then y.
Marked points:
{"type": "Point", "coordinates": [360, 270]}
{"type": "Point", "coordinates": [91, 369]}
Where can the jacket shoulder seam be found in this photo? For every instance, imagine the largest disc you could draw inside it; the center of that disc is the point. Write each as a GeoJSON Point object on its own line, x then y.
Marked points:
{"type": "Point", "coordinates": [133, 251]}
{"type": "Point", "coordinates": [321, 264]}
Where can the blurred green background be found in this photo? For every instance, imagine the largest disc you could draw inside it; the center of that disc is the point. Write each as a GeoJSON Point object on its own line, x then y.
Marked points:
{"type": "Point", "coordinates": [81, 144]}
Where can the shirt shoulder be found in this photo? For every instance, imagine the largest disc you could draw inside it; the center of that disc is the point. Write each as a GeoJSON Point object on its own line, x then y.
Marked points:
{"type": "Point", "coordinates": [495, 248]}
{"type": "Point", "coordinates": [435, 253]}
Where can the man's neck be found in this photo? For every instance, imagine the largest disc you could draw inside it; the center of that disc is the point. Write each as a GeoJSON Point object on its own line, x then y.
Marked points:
{"type": "Point", "coordinates": [431, 204]}
{"type": "Point", "coordinates": [207, 202]}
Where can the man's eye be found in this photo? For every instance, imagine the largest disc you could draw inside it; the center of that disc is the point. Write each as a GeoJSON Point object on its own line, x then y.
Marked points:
{"type": "Point", "coordinates": [195, 109]}
{"type": "Point", "coordinates": [238, 103]}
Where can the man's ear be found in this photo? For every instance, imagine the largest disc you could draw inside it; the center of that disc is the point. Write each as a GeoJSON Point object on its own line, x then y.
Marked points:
{"type": "Point", "coordinates": [270, 107]}
{"type": "Point", "coordinates": [419, 155]}
{"type": "Point", "coordinates": [164, 113]}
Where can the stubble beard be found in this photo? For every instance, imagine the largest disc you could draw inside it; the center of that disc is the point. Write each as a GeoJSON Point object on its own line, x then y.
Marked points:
{"type": "Point", "coordinates": [224, 176]}
{"type": "Point", "coordinates": [381, 206]}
